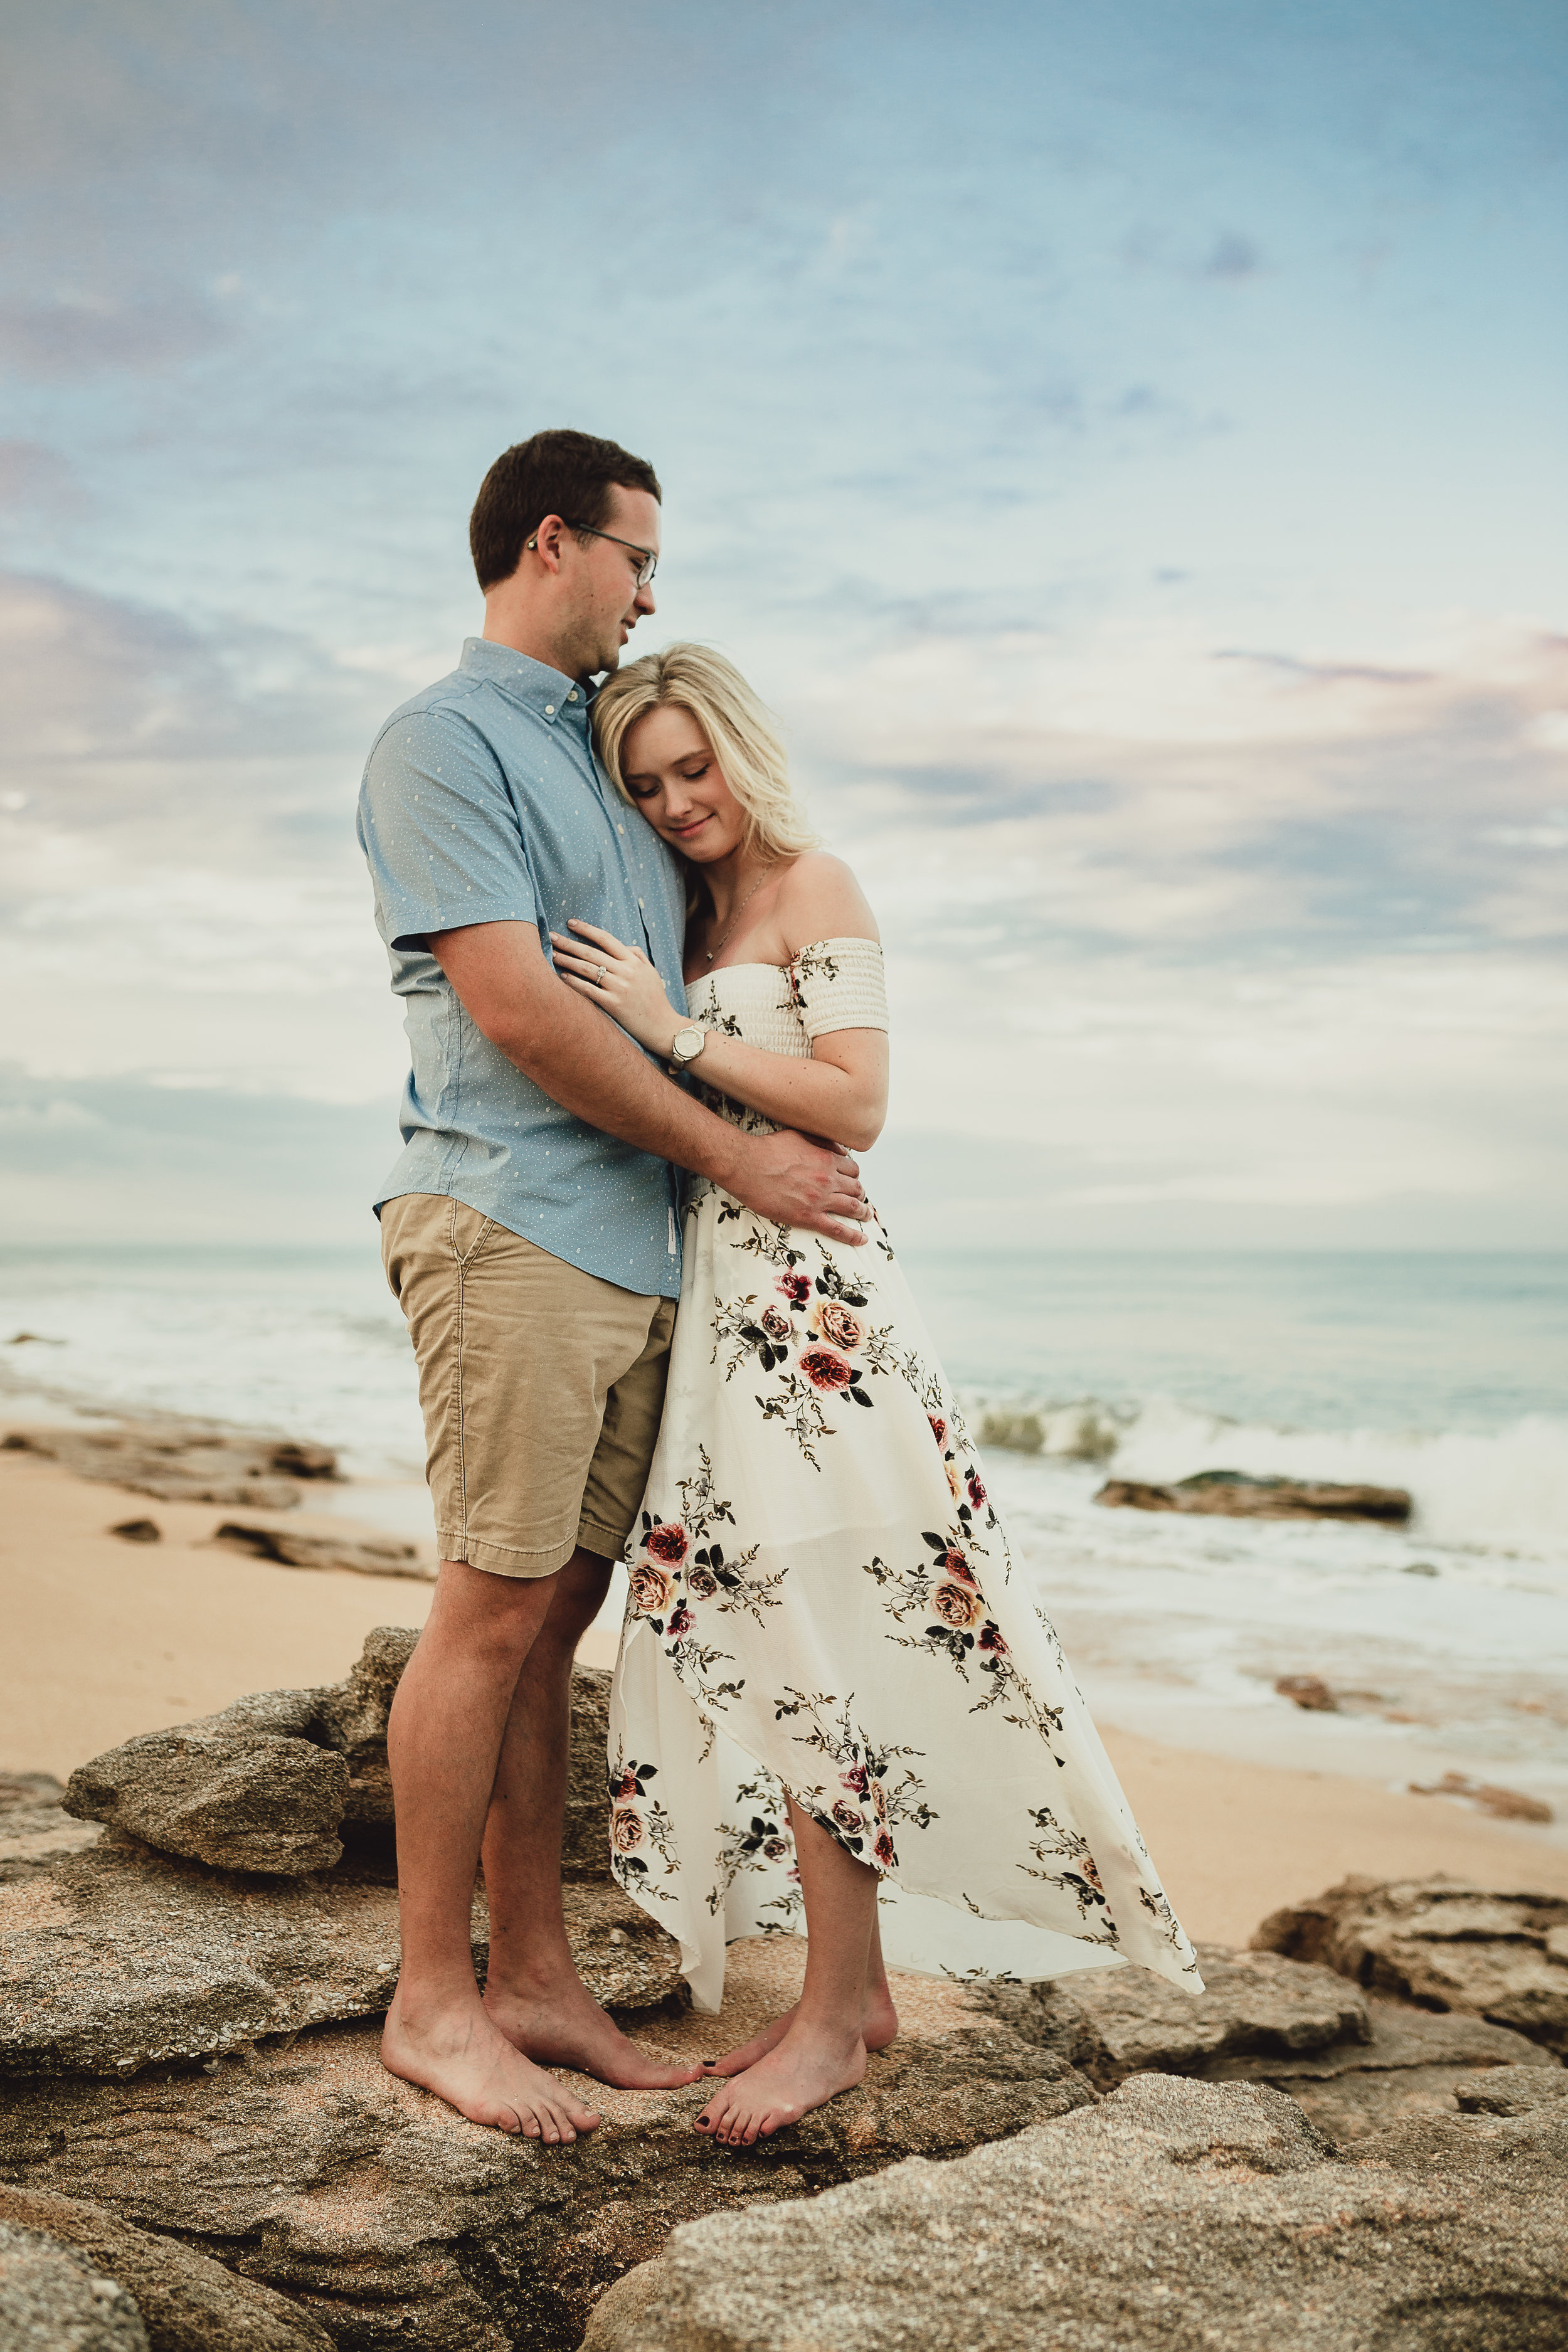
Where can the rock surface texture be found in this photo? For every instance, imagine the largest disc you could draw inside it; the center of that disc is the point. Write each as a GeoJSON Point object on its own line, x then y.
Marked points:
{"type": "Point", "coordinates": [118, 1960]}
{"type": "Point", "coordinates": [1443, 1943]}
{"type": "Point", "coordinates": [1234, 1495]}
{"type": "Point", "coordinates": [394, 2222]}
{"type": "Point", "coordinates": [54, 2300]}
{"type": "Point", "coordinates": [186, 2303]}
{"type": "Point", "coordinates": [1177, 2215]}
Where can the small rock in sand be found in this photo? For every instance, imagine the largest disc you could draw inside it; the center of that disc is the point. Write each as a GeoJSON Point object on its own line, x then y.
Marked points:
{"type": "Point", "coordinates": [138, 1531]}
{"type": "Point", "coordinates": [1503, 1804]}
{"type": "Point", "coordinates": [1309, 1691]}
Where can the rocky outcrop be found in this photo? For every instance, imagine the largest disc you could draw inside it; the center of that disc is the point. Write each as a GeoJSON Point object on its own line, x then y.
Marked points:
{"type": "Point", "coordinates": [1231, 1494]}
{"type": "Point", "coordinates": [1443, 1943]}
{"type": "Point", "coordinates": [1113, 2022]}
{"type": "Point", "coordinates": [186, 2303]}
{"type": "Point", "coordinates": [241, 1793]}
{"type": "Point", "coordinates": [394, 2222]}
{"type": "Point", "coordinates": [54, 2299]}
{"type": "Point", "coordinates": [270, 1783]}
{"type": "Point", "coordinates": [182, 1462]}
{"type": "Point", "coordinates": [375, 1556]}
{"type": "Point", "coordinates": [1177, 2213]}
{"type": "Point", "coordinates": [115, 1956]}
{"type": "Point", "coordinates": [118, 1960]}
{"type": "Point", "coordinates": [1412, 2064]}
{"type": "Point", "coordinates": [1355, 2065]}
{"type": "Point", "coordinates": [1513, 2091]}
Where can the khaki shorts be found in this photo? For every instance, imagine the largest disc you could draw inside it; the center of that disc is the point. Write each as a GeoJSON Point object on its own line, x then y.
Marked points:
{"type": "Point", "coordinates": [541, 1388]}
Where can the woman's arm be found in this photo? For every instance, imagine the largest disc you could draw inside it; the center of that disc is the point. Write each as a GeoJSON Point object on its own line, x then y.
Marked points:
{"type": "Point", "coordinates": [842, 1091]}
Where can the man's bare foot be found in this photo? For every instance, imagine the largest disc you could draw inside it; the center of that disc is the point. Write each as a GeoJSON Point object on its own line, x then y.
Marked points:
{"type": "Point", "coordinates": [566, 2027]}
{"type": "Point", "coordinates": [459, 2054]}
{"type": "Point", "coordinates": [878, 2024]}
{"type": "Point", "coordinates": [805, 2070]}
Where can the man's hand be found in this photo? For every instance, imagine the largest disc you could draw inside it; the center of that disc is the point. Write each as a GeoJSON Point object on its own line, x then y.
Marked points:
{"type": "Point", "coordinates": [794, 1181]}
{"type": "Point", "coordinates": [584, 1061]}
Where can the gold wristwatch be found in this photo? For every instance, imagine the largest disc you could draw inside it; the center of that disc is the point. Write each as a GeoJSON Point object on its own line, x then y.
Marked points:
{"type": "Point", "coordinates": [685, 1046]}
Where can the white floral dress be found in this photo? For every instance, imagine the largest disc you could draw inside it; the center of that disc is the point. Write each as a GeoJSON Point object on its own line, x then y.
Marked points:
{"type": "Point", "coordinates": [823, 1601]}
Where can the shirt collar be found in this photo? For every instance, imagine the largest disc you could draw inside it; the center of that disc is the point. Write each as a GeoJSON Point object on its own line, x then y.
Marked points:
{"type": "Point", "coordinates": [533, 683]}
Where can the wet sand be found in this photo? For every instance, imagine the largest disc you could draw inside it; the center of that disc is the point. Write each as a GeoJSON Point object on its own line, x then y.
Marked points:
{"type": "Point", "coordinates": [104, 1639]}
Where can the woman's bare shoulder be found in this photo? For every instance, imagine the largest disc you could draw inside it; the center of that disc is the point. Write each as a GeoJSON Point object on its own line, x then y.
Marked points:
{"type": "Point", "coordinates": [819, 898]}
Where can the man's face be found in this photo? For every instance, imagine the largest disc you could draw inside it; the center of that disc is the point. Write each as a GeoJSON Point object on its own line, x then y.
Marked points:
{"type": "Point", "coordinates": [600, 578]}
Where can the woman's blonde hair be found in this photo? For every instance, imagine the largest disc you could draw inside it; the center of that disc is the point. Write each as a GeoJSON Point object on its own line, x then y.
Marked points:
{"type": "Point", "coordinates": [742, 733]}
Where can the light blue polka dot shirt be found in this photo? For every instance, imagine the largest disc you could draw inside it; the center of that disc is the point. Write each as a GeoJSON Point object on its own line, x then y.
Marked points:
{"type": "Point", "coordinates": [483, 803]}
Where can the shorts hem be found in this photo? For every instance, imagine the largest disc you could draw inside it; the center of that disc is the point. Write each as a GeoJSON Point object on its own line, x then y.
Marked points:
{"type": "Point", "coordinates": [504, 1559]}
{"type": "Point", "coordinates": [593, 1535]}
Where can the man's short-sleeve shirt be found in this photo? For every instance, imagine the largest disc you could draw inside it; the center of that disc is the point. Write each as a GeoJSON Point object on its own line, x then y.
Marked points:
{"type": "Point", "coordinates": [483, 802]}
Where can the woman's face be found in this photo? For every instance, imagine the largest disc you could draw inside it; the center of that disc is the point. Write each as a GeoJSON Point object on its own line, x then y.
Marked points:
{"type": "Point", "coordinates": [677, 783]}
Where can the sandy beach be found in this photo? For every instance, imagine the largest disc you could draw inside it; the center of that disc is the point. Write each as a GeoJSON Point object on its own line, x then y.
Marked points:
{"type": "Point", "coordinates": [107, 1638]}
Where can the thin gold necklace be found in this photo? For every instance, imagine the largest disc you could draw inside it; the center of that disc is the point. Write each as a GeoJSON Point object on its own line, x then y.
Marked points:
{"type": "Point", "coordinates": [740, 909]}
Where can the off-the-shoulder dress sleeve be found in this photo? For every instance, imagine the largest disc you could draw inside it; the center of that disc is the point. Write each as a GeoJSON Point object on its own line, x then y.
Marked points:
{"type": "Point", "coordinates": [839, 984]}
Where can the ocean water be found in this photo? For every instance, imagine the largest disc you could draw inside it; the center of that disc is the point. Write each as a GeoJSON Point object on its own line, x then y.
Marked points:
{"type": "Point", "coordinates": [1444, 1374]}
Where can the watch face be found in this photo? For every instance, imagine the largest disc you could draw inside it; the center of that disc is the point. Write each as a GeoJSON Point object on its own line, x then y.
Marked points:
{"type": "Point", "coordinates": [687, 1044]}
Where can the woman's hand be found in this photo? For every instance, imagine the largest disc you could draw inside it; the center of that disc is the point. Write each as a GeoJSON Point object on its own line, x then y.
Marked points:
{"type": "Point", "coordinates": [620, 978]}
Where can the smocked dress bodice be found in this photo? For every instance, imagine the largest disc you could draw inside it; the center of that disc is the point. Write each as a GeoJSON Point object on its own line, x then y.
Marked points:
{"type": "Point", "coordinates": [831, 985]}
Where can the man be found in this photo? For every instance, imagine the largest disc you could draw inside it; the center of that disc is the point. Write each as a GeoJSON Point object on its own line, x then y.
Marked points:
{"type": "Point", "coordinates": [531, 1231]}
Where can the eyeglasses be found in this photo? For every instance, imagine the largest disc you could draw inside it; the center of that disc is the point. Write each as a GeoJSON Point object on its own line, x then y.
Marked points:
{"type": "Point", "coordinates": [649, 565]}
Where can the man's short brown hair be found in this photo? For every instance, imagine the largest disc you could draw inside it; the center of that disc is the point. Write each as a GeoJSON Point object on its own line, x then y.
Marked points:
{"type": "Point", "coordinates": [561, 473]}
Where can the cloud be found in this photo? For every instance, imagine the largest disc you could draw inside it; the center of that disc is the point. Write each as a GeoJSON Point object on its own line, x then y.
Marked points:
{"type": "Point", "coordinates": [1231, 257]}
{"type": "Point", "coordinates": [31, 475]}
{"type": "Point", "coordinates": [123, 715]}
{"type": "Point", "coordinates": [86, 334]}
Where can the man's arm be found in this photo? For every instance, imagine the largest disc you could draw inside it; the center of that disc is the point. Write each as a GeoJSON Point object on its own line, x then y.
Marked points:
{"type": "Point", "coordinates": [583, 1060]}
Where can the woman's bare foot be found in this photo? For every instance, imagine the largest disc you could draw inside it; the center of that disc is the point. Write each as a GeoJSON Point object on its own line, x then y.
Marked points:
{"type": "Point", "coordinates": [878, 2024]}
{"type": "Point", "coordinates": [564, 2026]}
{"type": "Point", "coordinates": [809, 2066]}
{"type": "Point", "coordinates": [460, 2055]}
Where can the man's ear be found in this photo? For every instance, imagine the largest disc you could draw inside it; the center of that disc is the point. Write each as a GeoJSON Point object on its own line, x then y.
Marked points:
{"type": "Point", "coordinates": [546, 542]}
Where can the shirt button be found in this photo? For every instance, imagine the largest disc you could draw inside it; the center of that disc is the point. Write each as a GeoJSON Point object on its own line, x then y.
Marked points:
{"type": "Point", "coordinates": [620, 828]}
{"type": "Point", "coordinates": [550, 711]}
{"type": "Point", "coordinates": [570, 693]}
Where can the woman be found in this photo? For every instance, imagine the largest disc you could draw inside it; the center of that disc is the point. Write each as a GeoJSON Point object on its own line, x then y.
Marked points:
{"type": "Point", "coordinates": [834, 1693]}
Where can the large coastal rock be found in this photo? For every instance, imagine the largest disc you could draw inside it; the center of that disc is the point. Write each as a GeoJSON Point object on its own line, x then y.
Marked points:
{"type": "Point", "coordinates": [1232, 1495]}
{"type": "Point", "coordinates": [121, 1958]}
{"type": "Point", "coordinates": [1412, 2064]}
{"type": "Point", "coordinates": [1355, 2064]}
{"type": "Point", "coordinates": [186, 2303]}
{"type": "Point", "coordinates": [1177, 2214]}
{"type": "Point", "coordinates": [1443, 1943]}
{"type": "Point", "coordinates": [182, 1462]}
{"type": "Point", "coordinates": [394, 2222]}
{"type": "Point", "coordinates": [270, 1783]}
{"type": "Point", "coordinates": [1113, 2022]}
{"type": "Point", "coordinates": [54, 2300]}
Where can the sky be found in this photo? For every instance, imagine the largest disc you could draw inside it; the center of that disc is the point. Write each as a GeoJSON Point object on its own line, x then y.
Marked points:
{"type": "Point", "coordinates": [1125, 445]}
